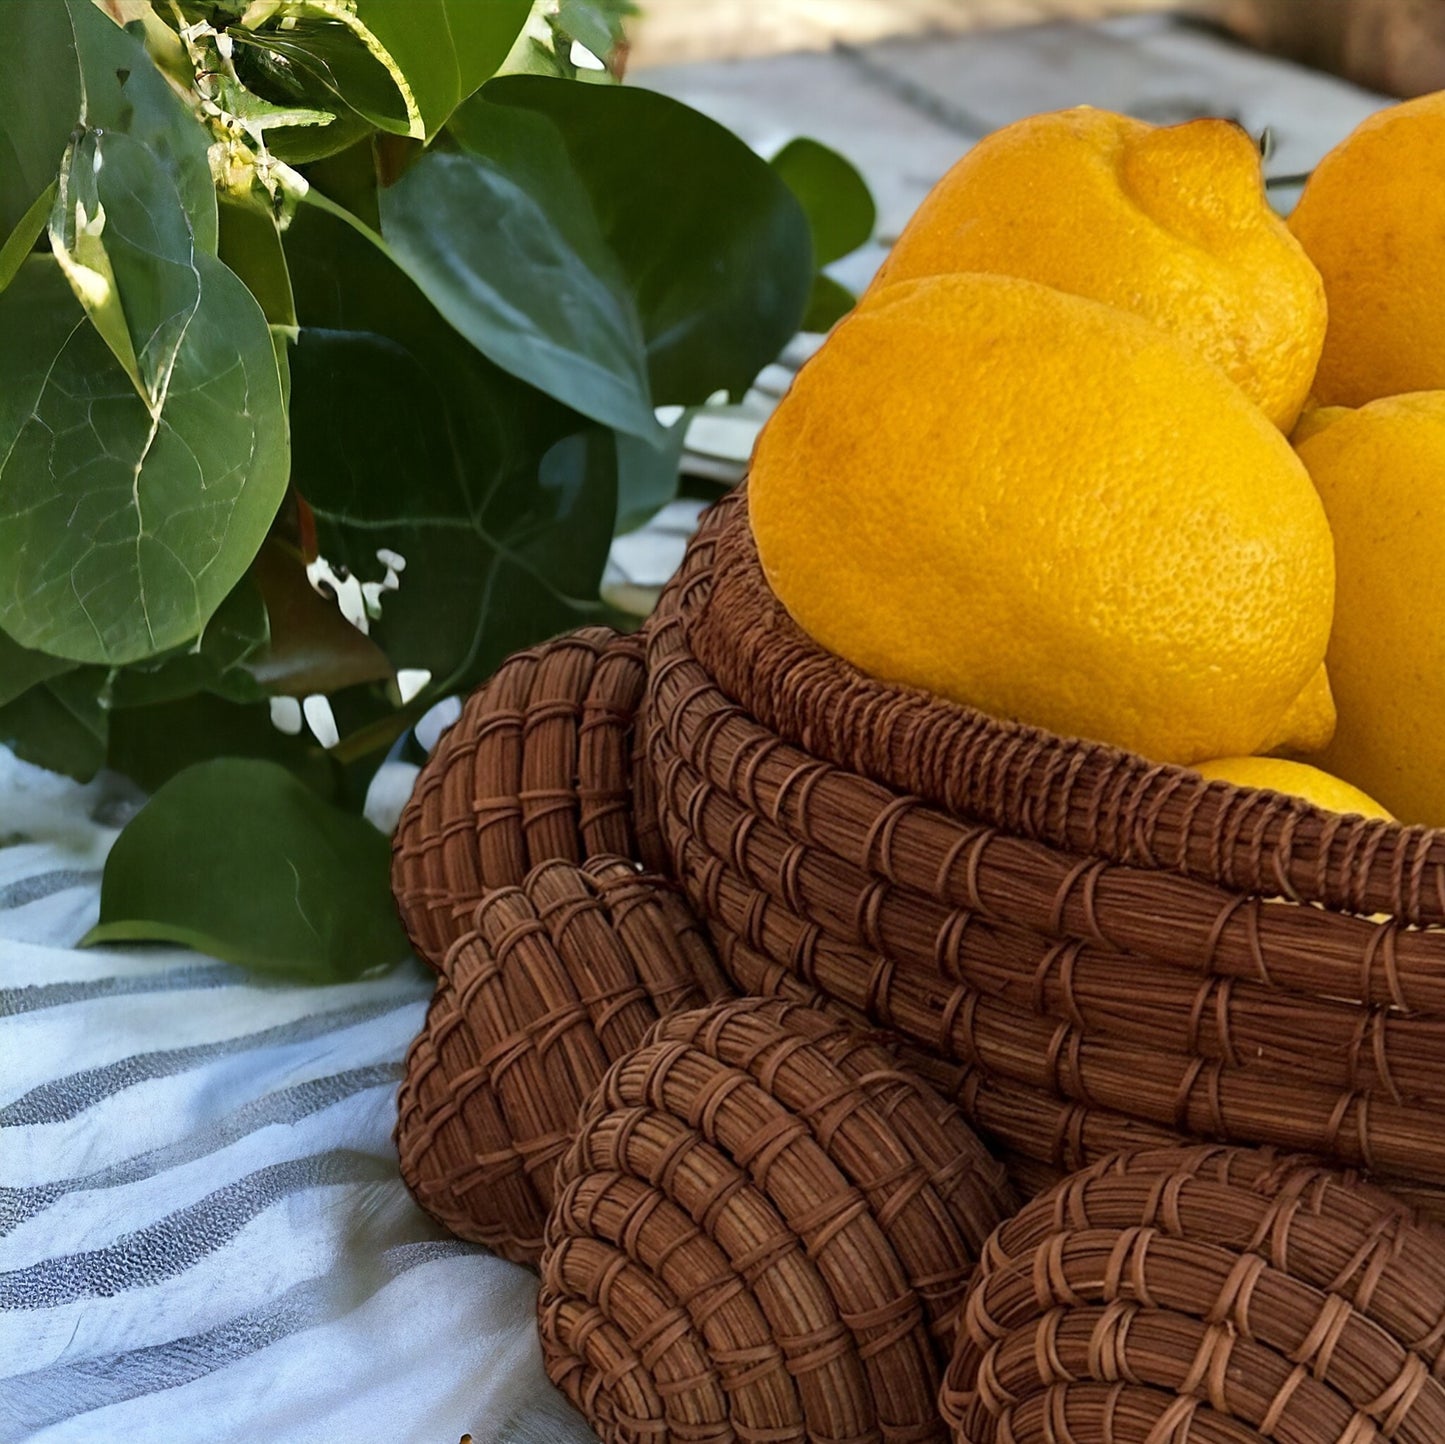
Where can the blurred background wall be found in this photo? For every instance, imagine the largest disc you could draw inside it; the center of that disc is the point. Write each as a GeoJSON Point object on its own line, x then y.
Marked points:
{"type": "Point", "coordinates": [1395, 46]}
{"type": "Point", "coordinates": [671, 31]}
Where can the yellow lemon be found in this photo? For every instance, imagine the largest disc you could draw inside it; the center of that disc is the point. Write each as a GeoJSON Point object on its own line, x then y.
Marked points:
{"type": "Point", "coordinates": [1309, 723]}
{"type": "Point", "coordinates": [1380, 472]}
{"type": "Point", "coordinates": [1314, 419]}
{"type": "Point", "coordinates": [1296, 779]}
{"type": "Point", "coordinates": [1050, 509]}
{"type": "Point", "coordinates": [1168, 222]}
{"type": "Point", "coordinates": [1372, 219]}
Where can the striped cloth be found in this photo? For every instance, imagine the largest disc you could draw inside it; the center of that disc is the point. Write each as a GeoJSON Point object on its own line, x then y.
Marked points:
{"type": "Point", "coordinates": [203, 1236]}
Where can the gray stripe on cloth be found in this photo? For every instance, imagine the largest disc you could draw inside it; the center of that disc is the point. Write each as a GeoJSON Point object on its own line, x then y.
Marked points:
{"type": "Point", "coordinates": [183, 1239]}
{"type": "Point", "coordinates": [44, 884]}
{"type": "Point", "coordinates": [70, 1096]}
{"type": "Point", "coordinates": [29, 1402]}
{"type": "Point", "coordinates": [286, 1105]}
{"type": "Point", "coordinates": [35, 996]}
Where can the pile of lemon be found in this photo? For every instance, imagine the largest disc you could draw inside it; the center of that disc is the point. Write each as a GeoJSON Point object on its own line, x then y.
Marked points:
{"type": "Point", "coordinates": [1111, 449]}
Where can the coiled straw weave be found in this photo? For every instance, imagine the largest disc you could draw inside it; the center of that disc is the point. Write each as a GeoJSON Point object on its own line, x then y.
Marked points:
{"type": "Point", "coordinates": [537, 769]}
{"type": "Point", "coordinates": [1075, 922]}
{"type": "Point", "coordinates": [558, 977]}
{"type": "Point", "coordinates": [760, 1217]}
{"type": "Point", "coordinates": [763, 1232]}
{"type": "Point", "coordinates": [1204, 1294]}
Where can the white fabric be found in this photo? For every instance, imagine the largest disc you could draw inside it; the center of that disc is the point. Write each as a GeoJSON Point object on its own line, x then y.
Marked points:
{"type": "Point", "coordinates": [203, 1235]}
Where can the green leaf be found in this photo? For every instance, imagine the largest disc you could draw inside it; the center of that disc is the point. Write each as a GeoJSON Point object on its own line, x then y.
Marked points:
{"type": "Point", "coordinates": [134, 201]}
{"type": "Point", "coordinates": [257, 116]}
{"type": "Point", "coordinates": [545, 45]}
{"type": "Point", "coordinates": [294, 132]}
{"type": "Point", "coordinates": [123, 92]}
{"type": "Point", "coordinates": [715, 248]}
{"type": "Point", "coordinates": [63, 64]}
{"type": "Point", "coordinates": [122, 529]}
{"type": "Point", "coordinates": [311, 646]}
{"type": "Point", "coordinates": [132, 514]}
{"type": "Point", "coordinates": [486, 573]}
{"type": "Point", "coordinates": [647, 475]}
{"type": "Point", "coordinates": [36, 40]}
{"type": "Point", "coordinates": [445, 48]}
{"type": "Point", "coordinates": [348, 178]}
{"type": "Point", "coordinates": [504, 242]}
{"type": "Point", "coordinates": [237, 859]}
{"type": "Point", "coordinates": [304, 143]}
{"type": "Point", "coordinates": [841, 215]}
{"type": "Point", "coordinates": [325, 62]}
{"type": "Point", "coordinates": [836, 199]}
{"type": "Point", "coordinates": [540, 50]}
{"type": "Point", "coordinates": [27, 231]}
{"type": "Point", "coordinates": [250, 244]}
{"type": "Point", "coordinates": [154, 742]}
{"type": "Point", "coordinates": [500, 499]}
{"type": "Point", "coordinates": [21, 668]}
{"type": "Point", "coordinates": [595, 24]}
{"type": "Point", "coordinates": [828, 304]}
{"type": "Point", "coordinates": [122, 237]}
{"type": "Point", "coordinates": [234, 634]}
{"type": "Point", "coordinates": [59, 724]}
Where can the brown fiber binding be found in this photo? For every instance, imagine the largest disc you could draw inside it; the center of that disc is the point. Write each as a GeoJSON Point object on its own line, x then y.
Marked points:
{"type": "Point", "coordinates": [1081, 926]}
{"type": "Point", "coordinates": [538, 768]}
{"type": "Point", "coordinates": [762, 1232]}
{"type": "Point", "coordinates": [1085, 798]}
{"type": "Point", "coordinates": [561, 975]}
{"type": "Point", "coordinates": [763, 1229]}
{"type": "Point", "coordinates": [1204, 1294]}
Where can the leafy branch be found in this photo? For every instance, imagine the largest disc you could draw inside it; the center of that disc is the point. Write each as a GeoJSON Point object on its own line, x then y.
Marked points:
{"type": "Point", "coordinates": [333, 336]}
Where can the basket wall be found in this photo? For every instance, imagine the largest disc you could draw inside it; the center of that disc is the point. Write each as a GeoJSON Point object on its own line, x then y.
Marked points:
{"type": "Point", "coordinates": [1084, 928]}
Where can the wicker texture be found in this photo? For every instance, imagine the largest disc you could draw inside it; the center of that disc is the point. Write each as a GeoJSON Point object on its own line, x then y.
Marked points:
{"type": "Point", "coordinates": [1082, 797]}
{"type": "Point", "coordinates": [765, 1225]}
{"type": "Point", "coordinates": [559, 977]}
{"type": "Point", "coordinates": [763, 1232]}
{"type": "Point", "coordinates": [538, 768]}
{"type": "Point", "coordinates": [1204, 1294]}
{"type": "Point", "coordinates": [1111, 938]}
{"type": "Point", "coordinates": [1050, 1137]}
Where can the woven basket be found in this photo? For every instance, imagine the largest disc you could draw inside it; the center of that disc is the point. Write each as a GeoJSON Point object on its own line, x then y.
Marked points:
{"type": "Point", "coordinates": [537, 769]}
{"type": "Point", "coordinates": [762, 1232]}
{"type": "Point", "coordinates": [1091, 931]}
{"type": "Point", "coordinates": [1204, 1294]}
{"type": "Point", "coordinates": [559, 977]}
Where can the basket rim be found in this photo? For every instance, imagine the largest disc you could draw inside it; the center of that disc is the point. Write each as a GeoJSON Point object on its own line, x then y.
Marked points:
{"type": "Point", "coordinates": [1084, 796]}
